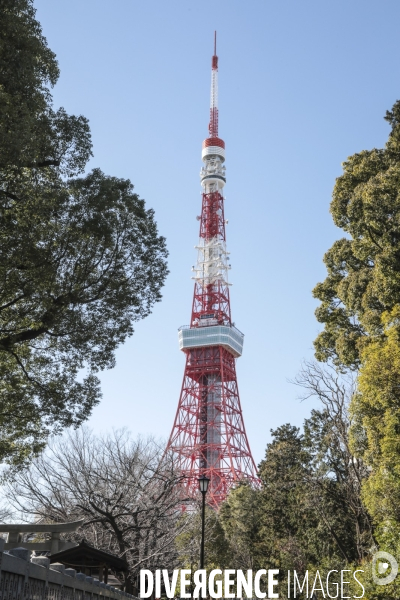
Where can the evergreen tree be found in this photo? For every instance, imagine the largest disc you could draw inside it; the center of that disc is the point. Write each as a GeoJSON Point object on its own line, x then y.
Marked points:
{"type": "Point", "coordinates": [364, 267]}
{"type": "Point", "coordinates": [80, 257]}
{"type": "Point", "coordinates": [375, 432]}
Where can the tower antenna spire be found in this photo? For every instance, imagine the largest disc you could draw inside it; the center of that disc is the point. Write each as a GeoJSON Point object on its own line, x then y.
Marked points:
{"type": "Point", "coordinates": [213, 125]}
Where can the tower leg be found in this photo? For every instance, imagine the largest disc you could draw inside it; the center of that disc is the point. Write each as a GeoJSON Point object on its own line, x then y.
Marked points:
{"type": "Point", "coordinates": [208, 436]}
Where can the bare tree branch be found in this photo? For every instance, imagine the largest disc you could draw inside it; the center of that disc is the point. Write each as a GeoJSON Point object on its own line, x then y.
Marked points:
{"type": "Point", "coordinates": [128, 497]}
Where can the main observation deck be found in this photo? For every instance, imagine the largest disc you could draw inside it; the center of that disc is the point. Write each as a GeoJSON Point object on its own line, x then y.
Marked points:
{"type": "Point", "coordinates": [214, 335]}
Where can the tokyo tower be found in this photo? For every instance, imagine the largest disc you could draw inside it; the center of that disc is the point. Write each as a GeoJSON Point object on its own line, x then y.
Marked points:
{"type": "Point", "coordinates": [208, 436]}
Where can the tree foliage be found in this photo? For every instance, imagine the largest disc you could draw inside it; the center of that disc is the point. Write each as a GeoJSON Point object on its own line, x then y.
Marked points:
{"type": "Point", "coordinates": [308, 512]}
{"type": "Point", "coordinates": [240, 517]}
{"type": "Point", "coordinates": [360, 310]}
{"type": "Point", "coordinates": [364, 267]}
{"type": "Point", "coordinates": [217, 553]}
{"type": "Point", "coordinates": [80, 257]}
{"type": "Point", "coordinates": [376, 428]}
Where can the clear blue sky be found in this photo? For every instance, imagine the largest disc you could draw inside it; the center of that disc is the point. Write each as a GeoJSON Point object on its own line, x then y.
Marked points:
{"type": "Point", "coordinates": [303, 85]}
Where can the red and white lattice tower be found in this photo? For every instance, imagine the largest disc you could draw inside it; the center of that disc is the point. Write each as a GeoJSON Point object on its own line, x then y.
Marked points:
{"type": "Point", "coordinates": [208, 436]}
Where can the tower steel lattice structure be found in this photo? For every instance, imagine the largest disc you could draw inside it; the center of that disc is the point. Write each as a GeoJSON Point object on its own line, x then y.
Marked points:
{"type": "Point", "coordinates": [208, 436]}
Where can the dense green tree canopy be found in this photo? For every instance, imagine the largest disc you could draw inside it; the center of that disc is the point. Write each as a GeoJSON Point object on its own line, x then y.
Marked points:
{"type": "Point", "coordinates": [375, 431]}
{"type": "Point", "coordinates": [302, 517]}
{"type": "Point", "coordinates": [308, 513]}
{"type": "Point", "coordinates": [360, 310]}
{"type": "Point", "coordinates": [364, 267]}
{"type": "Point", "coordinates": [240, 517]}
{"type": "Point", "coordinates": [80, 257]}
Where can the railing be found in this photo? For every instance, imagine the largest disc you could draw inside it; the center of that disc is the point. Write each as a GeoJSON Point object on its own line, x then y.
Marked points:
{"type": "Point", "coordinates": [230, 327]}
{"type": "Point", "coordinates": [37, 579]}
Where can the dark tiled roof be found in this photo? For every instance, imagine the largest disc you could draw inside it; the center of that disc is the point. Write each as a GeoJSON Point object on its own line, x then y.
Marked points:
{"type": "Point", "coordinates": [88, 555]}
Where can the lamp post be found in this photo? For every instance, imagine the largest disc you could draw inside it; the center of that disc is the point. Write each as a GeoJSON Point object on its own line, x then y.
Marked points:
{"type": "Point", "coordinates": [203, 487]}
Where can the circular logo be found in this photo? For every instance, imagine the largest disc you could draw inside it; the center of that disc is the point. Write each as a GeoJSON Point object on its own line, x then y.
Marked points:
{"type": "Point", "coordinates": [381, 561]}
